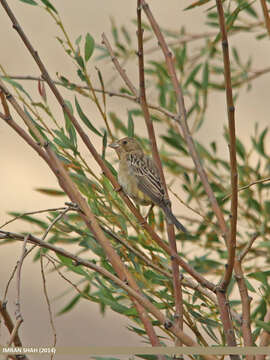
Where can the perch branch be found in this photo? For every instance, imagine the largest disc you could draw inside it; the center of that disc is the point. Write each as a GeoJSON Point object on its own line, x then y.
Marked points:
{"type": "Point", "coordinates": [177, 289]}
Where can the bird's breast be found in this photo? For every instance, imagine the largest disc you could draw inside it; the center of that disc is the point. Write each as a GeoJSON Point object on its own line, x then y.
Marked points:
{"type": "Point", "coordinates": [129, 184]}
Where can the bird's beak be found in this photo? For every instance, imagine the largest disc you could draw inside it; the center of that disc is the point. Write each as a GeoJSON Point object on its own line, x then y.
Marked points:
{"type": "Point", "coordinates": [114, 145]}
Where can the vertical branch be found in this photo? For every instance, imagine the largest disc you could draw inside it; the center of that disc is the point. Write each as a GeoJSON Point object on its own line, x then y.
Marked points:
{"type": "Point", "coordinates": [266, 15]}
{"type": "Point", "coordinates": [94, 152]}
{"type": "Point", "coordinates": [71, 190]}
{"type": "Point", "coordinates": [152, 137]}
{"type": "Point", "coordinates": [182, 118]}
{"type": "Point", "coordinates": [264, 336]}
{"type": "Point", "coordinates": [227, 321]}
{"type": "Point", "coordinates": [231, 242]}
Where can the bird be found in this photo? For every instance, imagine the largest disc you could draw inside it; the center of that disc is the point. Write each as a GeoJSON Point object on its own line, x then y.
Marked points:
{"type": "Point", "coordinates": [139, 178]}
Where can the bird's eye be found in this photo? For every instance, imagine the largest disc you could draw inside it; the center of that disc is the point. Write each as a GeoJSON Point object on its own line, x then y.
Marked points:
{"type": "Point", "coordinates": [124, 142]}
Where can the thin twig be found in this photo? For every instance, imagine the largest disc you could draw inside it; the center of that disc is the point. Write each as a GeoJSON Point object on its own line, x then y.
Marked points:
{"type": "Point", "coordinates": [260, 181]}
{"type": "Point", "coordinates": [266, 15]}
{"type": "Point", "coordinates": [9, 282]}
{"type": "Point", "coordinates": [31, 213]}
{"type": "Point", "coordinates": [47, 300]}
{"type": "Point", "coordinates": [247, 247]}
{"type": "Point", "coordinates": [107, 274]}
{"type": "Point", "coordinates": [119, 68]}
{"type": "Point", "coordinates": [18, 315]}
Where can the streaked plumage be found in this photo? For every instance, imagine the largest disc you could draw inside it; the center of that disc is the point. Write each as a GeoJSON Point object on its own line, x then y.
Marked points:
{"type": "Point", "coordinates": [140, 179]}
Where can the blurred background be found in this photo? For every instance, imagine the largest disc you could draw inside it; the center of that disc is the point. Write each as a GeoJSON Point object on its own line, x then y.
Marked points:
{"type": "Point", "coordinates": [22, 171]}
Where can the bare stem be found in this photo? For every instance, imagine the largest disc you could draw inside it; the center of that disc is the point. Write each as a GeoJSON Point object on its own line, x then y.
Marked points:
{"type": "Point", "coordinates": [266, 15]}
{"type": "Point", "coordinates": [182, 117]}
{"type": "Point", "coordinates": [231, 241]}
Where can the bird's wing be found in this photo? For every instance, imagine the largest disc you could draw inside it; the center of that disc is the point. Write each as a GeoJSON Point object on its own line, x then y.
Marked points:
{"type": "Point", "coordinates": [147, 175]}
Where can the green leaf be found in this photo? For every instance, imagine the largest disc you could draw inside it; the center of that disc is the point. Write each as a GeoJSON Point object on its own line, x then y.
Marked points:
{"type": "Point", "coordinates": [192, 74]}
{"type": "Point", "coordinates": [205, 76]}
{"type": "Point", "coordinates": [50, 192]}
{"type": "Point", "coordinates": [89, 46]}
{"type": "Point", "coordinates": [70, 305]}
{"type": "Point", "coordinates": [260, 276]}
{"type": "Point", "coordinates": [263, 325]}
{"type": "Point", "coordinates": [78, 40]}
{"type": "Point", "coordinates": [104, 144]}
{"type": "Point", "coordinates": [49, 5]}
{"type": "Point", "coordinates": [196, 3]}
{"type": "Point", "coordinates": [240, 149]}
{"type": "Point", "coordinates": [69, 126]}
{"type": "Point", "coordinates": [130, 125]}
{"type": "Point", "coordinates": [80, 61]}
{"type": "Point", "coordinates": [17, 85]}
{"type": "Point", "coordinates": [85, 118]}
{"type": "Point", "coordinates": [30, 2]}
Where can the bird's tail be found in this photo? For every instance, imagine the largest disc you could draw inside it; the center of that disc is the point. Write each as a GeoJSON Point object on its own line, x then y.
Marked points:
{"type": "Point", "coordinates": [172, 219]}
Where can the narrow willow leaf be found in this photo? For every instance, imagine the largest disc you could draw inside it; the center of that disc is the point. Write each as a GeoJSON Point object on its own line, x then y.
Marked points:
{"type": "Point", "coordinates": [69, 126]}
{"type": "Point", "coordinates": [80, 61]}
{"type": "Point", "coordinates": [85, 118]}
{"type": "Point", "coordinates": [17, 85]}
{"type": "Point", "coordinates": [192, 74]}
{"type": "Point", "coordinates": [205, 76]}
{"type": "Point", "coordinates": [70, 305]}
{"type": "Point", "coordinates": [126, 35]}
{"type": "Point", "coordinates": [104, 144]}
{"type": "Point", "coordinates": [263, 325]}
{"type": "Point", "coordinates": [89, 46]}
{"type": "Point", "coordinates": [49, 5]}
{"type": "Point", "coordinates": [78, 40]}
{"type": "Point", "coordinates": [196, 3]}
{"type": "Point", "coordinates": [130, 125]}
{"type": "Point", "coordinates": [30, 2]}
{"type": "Point", "coordinates": [50, 192]}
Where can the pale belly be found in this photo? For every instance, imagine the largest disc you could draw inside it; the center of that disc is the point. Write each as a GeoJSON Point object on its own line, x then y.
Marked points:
{"type": "Point", "coordinates": [129, 185]}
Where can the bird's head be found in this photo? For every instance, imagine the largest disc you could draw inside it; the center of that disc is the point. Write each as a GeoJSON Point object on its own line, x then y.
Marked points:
{"type": "Point", "coordinates": [126, 145]}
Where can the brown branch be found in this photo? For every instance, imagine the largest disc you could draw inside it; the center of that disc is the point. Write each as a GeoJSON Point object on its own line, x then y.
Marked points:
{"type": "Point", "coordinates": [31, 213]}
{"type": "Point", "coordinates": [177, 289]}
{"type": "Point", "coordinates": [245, 298]}
{"type": "Point", "coordinates": [108, 92]}
{"type": "Point", "coordinates": [143, 300]}
{"type": "Point", "coordinates": [247, 247]}
{"type": "Point", "coordinates": [231, 240]}
{"type": "Point", "coordinates": [260, 181]}
{"type": "Point", "coordinates": [98, 158]}
{"type": "Point", "coordinates": [18, 315]}
{"type": "Point", "coordinates": [10, 326]}
{"type": "Point", "coordinates": [182, 118]}
{"type": "Point", "coordinates": [119, 68]}
{"type": "Point", "coordinates": [266, 15]}
{"type": "Point", "coordinates": [89, 218]}
{"type": "Point", "coordinates": [264, 336]}
{"type": "Point", "coordinates": [47, 298]}
{"type": "Point", "coordinates": [68, 186]}
{"type": "Point", "coordinates": [226, 321]}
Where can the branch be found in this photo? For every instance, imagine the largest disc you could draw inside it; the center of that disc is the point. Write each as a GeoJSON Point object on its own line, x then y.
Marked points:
{"type": "Point", "coordinates": [98, 158]}
{"type": "Point", "coordinates": [231, 241]}
{"type": "Point", "coordinates": [71, 190]}
{"type": "Point", "coordinates": [120, 70]}
{"type": "Point", "coordinates": [177, 290]}
{"type": "Point", "coordinates": [182, 118]}
{"type": "Point", "coordinates": [260, 181]}
{"type": "Point", "coordinates": [266, 15]}
{"type": "Point", "coordinates": [265, 335]}
{"type": "Point", "coordinates": [143, 300]}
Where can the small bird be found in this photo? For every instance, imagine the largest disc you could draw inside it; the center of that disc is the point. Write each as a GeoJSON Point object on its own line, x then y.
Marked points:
{"type": "Point", "coordinates": [140, 179]}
